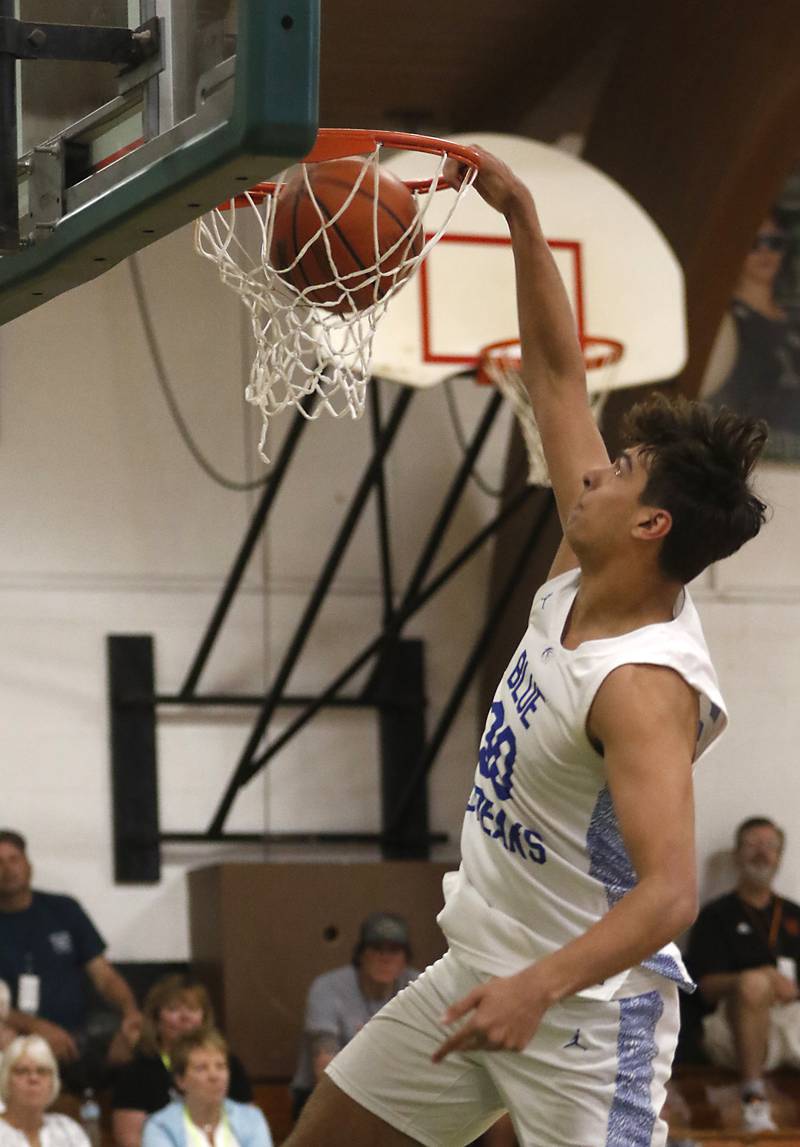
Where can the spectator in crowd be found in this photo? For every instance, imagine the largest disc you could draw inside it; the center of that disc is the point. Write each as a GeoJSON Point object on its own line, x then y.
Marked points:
{"type": "Point", "coordinates": [340, 1002]}
{"type": "Point", "coordinates": [743, 952]}
{"type": "Point", "coordinates": [6, 1033]}
{"type": "Point", "coordinates": [754, 367]}
{"type": "Point", "coordinates": [48, 945]}
{"type": "Point", "coordinates": [203, 1116]}
{"type": "Point", "coordinates": [29, 1083]}
{"type": "Point", "coordinates": [174, 1007]}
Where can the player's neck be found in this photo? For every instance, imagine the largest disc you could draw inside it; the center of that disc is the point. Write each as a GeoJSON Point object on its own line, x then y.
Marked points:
{"type": "Point", "coordinates": [374, 989]}
{"type": "Point", "coordinates": [16, 901]}
{"type": "Point", "coordinates": [756, 895]}
{"type": "Point", "coordinates": [611, 602]}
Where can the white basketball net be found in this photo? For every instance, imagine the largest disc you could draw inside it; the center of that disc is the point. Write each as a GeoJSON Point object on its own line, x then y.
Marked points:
{"type": "Point", "coordinates": [500, 365]}
{"type": "Point", "coordinates": [305, 349]}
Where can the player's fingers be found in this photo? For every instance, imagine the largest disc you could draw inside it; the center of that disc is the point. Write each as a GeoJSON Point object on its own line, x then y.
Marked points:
{"type": "Point", "coordinates": [461, 1007]}
{"type": "Point", "coordinates": [465, 1039]}
{"type": "Point", "coordinates": [453, 172]}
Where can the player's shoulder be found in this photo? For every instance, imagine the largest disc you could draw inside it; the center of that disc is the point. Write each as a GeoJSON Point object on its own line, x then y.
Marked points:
{"type": "Point", "coordinates": [633, 685]}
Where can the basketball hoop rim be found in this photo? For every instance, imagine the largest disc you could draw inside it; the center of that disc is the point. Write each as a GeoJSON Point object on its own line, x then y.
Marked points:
{"type": "Point", "coordinates": [342, 142]}
{"type": "Point", "coordinates": [493, 353]}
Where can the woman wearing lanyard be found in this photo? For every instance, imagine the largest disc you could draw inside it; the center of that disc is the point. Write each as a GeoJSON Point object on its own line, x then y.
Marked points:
{"type": "Point", "coordinates": [204, 1117]}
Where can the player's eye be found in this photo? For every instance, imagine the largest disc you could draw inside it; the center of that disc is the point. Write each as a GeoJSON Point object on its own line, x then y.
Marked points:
{"type": "Point", "coordinates": [617, 468]}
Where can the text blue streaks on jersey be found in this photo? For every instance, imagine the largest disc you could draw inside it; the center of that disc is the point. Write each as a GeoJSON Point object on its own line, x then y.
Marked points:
{"type": "Point", "coordinates": [525, 693]}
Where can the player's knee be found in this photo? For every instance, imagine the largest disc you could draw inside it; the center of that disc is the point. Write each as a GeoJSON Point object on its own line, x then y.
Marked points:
{"type": "Point", "coordinates": [754, 988]}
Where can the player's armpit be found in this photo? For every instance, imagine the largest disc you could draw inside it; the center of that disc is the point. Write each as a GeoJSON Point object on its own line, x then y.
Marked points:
{"type": "Point", "coordinates": [646, 717]}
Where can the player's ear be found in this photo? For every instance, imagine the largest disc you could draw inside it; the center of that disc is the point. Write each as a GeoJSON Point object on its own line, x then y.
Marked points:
{"type": "Point", "coordinates": [651, 523]}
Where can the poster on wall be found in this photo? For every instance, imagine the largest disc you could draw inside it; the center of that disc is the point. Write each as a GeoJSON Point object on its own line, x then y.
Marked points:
{"type": "Point", "coordinates": [755, 364]}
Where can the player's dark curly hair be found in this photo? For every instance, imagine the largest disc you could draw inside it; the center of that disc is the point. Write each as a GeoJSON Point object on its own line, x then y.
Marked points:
{"type": "Point", "coordinates": [700, 464]}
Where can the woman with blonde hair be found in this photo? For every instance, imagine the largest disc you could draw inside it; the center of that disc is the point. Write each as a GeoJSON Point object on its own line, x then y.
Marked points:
{"type": "Point", "coordinates": [175, 1006]}
{"type": "Point", "coordinates": [29, 1083]}
{"type": "Point", "coordinates": [203, 1116]}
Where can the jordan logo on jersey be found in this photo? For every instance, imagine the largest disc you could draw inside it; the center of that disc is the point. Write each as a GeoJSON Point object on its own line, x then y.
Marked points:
{"type": "Point", "coordinates": [576, 1041]}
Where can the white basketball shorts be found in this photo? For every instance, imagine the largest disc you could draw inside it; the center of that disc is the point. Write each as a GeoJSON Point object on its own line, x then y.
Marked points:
{"type": "Point", "coordinates": [594, 1074]}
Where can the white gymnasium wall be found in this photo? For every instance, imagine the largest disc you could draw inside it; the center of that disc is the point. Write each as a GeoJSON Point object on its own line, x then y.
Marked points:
{"type": "Point", "coordinates": [108, 526]}
{"type": "Point", "coordinates": [750, 605]}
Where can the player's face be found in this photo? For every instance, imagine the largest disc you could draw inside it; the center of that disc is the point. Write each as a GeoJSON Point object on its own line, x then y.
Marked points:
{"type": "Point", "coordinates": [383, 963]}
{"type": "Point", "coordinates": [30, 1084]}
{"type": "Point", "coordinates": [610, 504]}
{"type": "Point", "coordinates": [177, 1017]}
{"type": "Point", "coordinates": [206, 1077]}
{"type": "Point", "coordinates": [15, 870]}
{"type": "Point", "coordinates": [759, 854]}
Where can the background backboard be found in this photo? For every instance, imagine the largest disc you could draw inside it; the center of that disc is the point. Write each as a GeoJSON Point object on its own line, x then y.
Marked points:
{"type": "Point", "coordinates": [622, 277]}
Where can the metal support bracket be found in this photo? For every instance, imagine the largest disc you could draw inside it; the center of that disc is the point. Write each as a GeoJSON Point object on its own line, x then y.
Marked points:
{"type": "Point", "coordinates": [29, 41]}
{"type": "Point", "coordinates": [46, 187]}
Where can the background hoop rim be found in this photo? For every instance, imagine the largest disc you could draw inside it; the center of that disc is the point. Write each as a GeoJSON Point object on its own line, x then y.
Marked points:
{"type": "Point", "coordinates": [501, 353]}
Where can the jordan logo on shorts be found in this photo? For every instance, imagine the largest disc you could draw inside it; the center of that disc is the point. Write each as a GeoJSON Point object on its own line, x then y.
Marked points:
{"type": "Point", "coordinates": [576, 1041]}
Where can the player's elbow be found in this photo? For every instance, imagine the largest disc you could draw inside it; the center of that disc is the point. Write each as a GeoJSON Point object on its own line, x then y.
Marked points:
{"type": "Point", "coordinates": [684, 907]}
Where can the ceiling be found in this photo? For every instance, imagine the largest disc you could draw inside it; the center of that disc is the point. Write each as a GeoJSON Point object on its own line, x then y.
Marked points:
{"type": "Point", "coordinates": [440, 66]}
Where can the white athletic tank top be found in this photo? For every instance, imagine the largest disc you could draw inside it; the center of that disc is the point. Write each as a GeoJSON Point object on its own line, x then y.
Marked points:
{"type": "Point", "coordinates": [542, 856]}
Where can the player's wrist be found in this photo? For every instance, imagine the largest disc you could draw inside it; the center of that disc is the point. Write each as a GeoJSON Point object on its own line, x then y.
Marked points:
{"type": "Point", "coordinates": [544, 982]}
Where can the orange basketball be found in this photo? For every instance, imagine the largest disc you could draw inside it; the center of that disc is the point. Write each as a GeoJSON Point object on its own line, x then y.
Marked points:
{"type": "Point", "coordinates": [360, 240]}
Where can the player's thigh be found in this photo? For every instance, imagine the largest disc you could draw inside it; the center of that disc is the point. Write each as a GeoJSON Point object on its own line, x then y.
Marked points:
{"type": "Point", "coordinates": [595, 1074]}
{"type": "Point", "coordinates": [332, 1119]}
{"type": "Point", "coordinates": [388, 1070]}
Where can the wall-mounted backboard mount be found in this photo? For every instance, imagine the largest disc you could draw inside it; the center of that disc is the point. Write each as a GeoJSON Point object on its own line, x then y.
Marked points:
{"type": "Point", "coordinates": [167, 108]}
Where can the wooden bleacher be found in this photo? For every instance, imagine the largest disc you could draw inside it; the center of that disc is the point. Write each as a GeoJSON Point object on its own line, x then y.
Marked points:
{"type": "Point", "coordinates": [703, 1107]}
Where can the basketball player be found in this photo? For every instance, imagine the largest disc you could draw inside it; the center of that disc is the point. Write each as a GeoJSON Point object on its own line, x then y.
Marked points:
{"type": "Point", "coordinates": [557, 998]}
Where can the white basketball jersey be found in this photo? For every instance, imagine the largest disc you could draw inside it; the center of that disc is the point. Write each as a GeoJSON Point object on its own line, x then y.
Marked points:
{"type": "Point", "coordinates": [542, 856]}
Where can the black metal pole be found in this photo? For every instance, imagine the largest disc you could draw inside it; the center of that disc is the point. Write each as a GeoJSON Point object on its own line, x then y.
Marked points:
{"type": "Point", "coordinates": [400, 618]}
{"type": "Point", "coordinates": [316, 600]}
{"type": "Point", "coordinates": [450, 503]}
{"type": "Point", "coordinates": [245, 701]}
{"type": "Point", "coordinates": [245, 552]}
{"type": "Point", "coordinates": [285, 838]}
{"type": "Point", "coordinates": [9, 191]}
{"type": "Point", "coordinates": [425, 763]}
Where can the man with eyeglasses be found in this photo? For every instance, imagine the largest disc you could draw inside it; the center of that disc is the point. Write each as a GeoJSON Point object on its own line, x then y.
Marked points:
{"type": "Point", "coordinates": [744, 951]}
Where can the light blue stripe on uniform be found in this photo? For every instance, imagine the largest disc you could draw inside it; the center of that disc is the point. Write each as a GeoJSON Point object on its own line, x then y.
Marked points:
{"type": "Point", "coordinates": [610, 864]}
{"type": "Point", "coordinates": [632, 1118]}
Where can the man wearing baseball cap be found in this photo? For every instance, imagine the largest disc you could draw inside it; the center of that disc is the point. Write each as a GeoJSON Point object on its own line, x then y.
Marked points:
{"type": "Point", "coordinates": [340, 1002]}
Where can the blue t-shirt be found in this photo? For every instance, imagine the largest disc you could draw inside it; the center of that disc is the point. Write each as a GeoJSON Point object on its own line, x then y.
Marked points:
{"type": "Point", "coordinates": [54, 939]}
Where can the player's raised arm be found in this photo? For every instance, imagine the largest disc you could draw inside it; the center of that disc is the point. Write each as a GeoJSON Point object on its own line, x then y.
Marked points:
{"type": "Point", "coordinates": [552, 359]}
